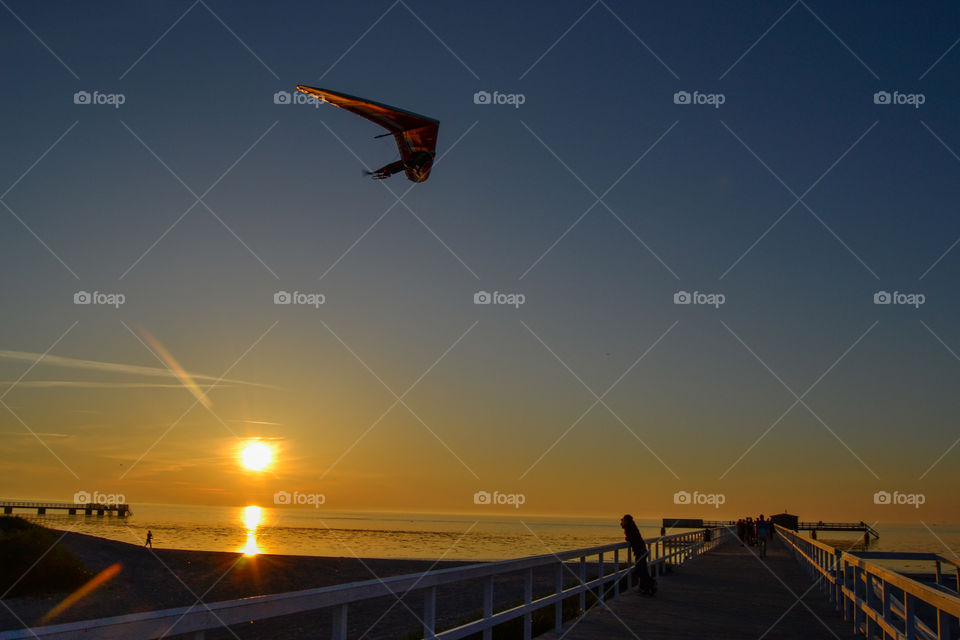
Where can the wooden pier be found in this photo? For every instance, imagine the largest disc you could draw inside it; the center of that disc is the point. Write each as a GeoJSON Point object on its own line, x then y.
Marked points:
{"type": "Point", "coordinates": [727, 593]}
{"type": "Point", "coordinates": [72, 508]}
{"type": "Point", "coordinates": [783, 519]}
{"type": "Point", "coordinates": [814, 527]}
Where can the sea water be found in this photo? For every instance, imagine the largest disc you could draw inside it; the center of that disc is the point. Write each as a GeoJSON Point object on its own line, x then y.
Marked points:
{"type": "Point", "coordinates": [316, 532]}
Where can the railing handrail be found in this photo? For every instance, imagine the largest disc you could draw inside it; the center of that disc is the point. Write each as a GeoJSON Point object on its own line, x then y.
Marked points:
{"type": "Point", "coordinates": [196, 619]}
{"type": "Point", "coordinates": [879, 601]}
{"type": "Point", "coordinates": [939, 599]}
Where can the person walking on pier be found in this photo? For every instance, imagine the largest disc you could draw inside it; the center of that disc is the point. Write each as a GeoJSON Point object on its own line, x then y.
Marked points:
{"type": "Point", "coordinates": [763, 533]}
{"type": "Point", "coordinates": [641, 573]}
{"type": "Point", "coordinates": [149, 542]}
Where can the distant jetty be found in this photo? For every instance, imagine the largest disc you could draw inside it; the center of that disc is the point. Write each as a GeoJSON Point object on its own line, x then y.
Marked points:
{"type": "Point", "coordinates": [72, 508]}
{"type": "Point", "coordinates": [786, 520]}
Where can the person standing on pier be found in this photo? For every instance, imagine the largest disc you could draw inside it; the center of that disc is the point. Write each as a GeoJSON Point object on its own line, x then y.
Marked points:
{"type": "Point", "coordinates": [149, 542]}
{"type": "Point", "coordinates": [641, 573]}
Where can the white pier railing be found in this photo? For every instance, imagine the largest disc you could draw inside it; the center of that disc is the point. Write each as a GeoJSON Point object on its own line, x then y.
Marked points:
{"type": "Point", "coordinates": [612, 563]}
{"type": "Point", "coordinates": [879, 602]}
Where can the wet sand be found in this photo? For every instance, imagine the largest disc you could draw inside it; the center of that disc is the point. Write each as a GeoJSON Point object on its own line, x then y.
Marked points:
{"type": "Point", "coordinates": [164, 578]}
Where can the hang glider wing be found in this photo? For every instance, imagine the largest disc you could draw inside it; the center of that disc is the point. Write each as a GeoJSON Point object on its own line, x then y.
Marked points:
{"type": "Point", "coordinates": [418, 131]}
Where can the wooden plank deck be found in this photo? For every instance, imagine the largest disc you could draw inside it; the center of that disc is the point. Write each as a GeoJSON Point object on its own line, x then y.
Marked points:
{"type": "Point", "coordinates": [726, 593]}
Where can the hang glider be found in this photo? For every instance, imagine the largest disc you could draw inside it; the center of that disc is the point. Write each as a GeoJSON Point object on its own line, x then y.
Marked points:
{"type": "Point", "coordinates": [416, 135]}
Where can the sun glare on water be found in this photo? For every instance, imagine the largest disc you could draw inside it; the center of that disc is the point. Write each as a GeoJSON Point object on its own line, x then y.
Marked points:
{"type": "Point", "coordinates": [252, 517]}
{"type": "Point", "coordinates": [256, 455]}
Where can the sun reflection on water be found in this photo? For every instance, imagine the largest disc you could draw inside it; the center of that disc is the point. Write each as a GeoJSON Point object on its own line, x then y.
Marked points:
{"type": "Point", "coordinates": [252, 517]}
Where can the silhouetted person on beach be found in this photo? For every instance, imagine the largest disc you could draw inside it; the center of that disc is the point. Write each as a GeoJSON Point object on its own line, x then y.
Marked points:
{"type": "Point", "coordinates": [645, 584]}
{"type": "Point", "coordinates": [149, 542]}
{"type": "Point", "coordinates": [763, 534]}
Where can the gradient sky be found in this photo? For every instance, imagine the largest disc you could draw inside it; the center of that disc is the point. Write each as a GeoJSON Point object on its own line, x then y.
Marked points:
{"type": "Point", "coordinates": [93, 195]}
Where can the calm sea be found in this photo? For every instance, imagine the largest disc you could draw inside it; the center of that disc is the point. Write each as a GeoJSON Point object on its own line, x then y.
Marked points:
{"type": "Point", "coordinates": [403, 535]}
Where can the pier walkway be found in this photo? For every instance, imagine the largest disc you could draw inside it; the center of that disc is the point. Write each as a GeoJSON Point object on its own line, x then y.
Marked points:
{"type": "Point", "coordinates": [727, 593]}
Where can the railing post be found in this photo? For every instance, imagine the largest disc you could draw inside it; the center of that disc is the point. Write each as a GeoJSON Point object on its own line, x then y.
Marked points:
{"type": "Point", "coordinates": [944, 628]}
{"type": "Point", "coordinates": [600, 576]}
{"type": "Point", "coordinates": [887, 603]}
{"type": "Point", "coordinates": [858, 613]}
{"type": "Point", "coordinates": [429, 613]}
{"type": "Point", "coordinates": [838, 580]}
{"type": "Point", "coordinates": [528, 600]}
{"type": "Point", "coordinates": [583, 582]}
{"type": "Point", "coordinates": [616, 572]}
{"type": "Point", "coordinates": [910, 615]}
{"type": "Point", "coordinates": [339, 623]}
{"type": "Point", "coordinates": [488, 605]}
{"type": "Point", "coordinates": [558, 607]}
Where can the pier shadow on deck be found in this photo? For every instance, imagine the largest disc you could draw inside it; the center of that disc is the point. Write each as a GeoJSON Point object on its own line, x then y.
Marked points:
{"type": "Point", "coordinates": [726, 593]}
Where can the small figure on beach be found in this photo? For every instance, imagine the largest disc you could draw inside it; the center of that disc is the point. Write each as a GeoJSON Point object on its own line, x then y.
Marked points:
{"type": "Point", "coordinates": [149, 542]}
{"type": "Point", "coordinates": [763, 534]}
{"type": "Point", "coordinates": [641, 573]}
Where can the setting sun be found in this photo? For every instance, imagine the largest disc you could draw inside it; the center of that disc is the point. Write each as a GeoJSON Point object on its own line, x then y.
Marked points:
{"type": "Point", "coordinates": [256, 455]}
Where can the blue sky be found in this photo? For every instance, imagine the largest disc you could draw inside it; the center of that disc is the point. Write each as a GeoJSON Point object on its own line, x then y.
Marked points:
{"type": "Point", "coordinates": [699, 200]}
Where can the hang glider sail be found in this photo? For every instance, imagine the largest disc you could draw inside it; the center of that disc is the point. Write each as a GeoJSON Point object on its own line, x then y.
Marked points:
{"type": "Point", "coordinates": [416, 135]}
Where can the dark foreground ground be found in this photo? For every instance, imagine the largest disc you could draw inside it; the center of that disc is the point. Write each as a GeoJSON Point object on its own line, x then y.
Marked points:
{"type": "Point", "coordinates": [165, 578]}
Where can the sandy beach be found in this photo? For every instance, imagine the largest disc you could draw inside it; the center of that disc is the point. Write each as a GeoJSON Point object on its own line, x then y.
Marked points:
{"type": "Point", "coordinates": [164, 578]}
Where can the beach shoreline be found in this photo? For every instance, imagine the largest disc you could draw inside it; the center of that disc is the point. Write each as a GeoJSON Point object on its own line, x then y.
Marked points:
{"type": "Point", "coordinates": [153, 579]}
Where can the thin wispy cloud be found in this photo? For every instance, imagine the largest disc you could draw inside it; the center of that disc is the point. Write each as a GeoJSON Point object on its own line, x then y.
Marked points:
{"type": "Point", "coordinates": [83, 384]}
{"type": "Point", "coordinates": [50, 360]}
